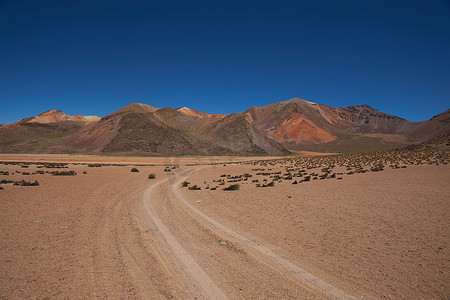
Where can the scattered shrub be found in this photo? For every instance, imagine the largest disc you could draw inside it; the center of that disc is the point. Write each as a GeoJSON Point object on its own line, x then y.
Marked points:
{"type": "Point", "coordinates": [134, 170]}
{"type": "Point", "coordinates": [194, 188]}
{"type": "Point", "coordinates": [152, 176]}
{"type": "Point", "coordinates": [184, 184]}
{"type": "Point", "coordinates": [26, 183]}
{"type": "Point", "coordinates": [272, 183]}
{"type": "Point", "coordinates": [63, 173]}
{"type": "Point", "coordinates": [233, 187]}
{"type": "Point", "coordinates": [94, 165]}
{"type": "Point", "coordinates": [55, 165]}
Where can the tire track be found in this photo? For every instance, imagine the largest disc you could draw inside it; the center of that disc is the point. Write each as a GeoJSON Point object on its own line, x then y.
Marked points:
{"type": "Point", "coordinates": [119, 248]}
{"type": "Point", "coordinates": [265, 255]}
{"type": "Point", "coordinates": [99, 272]}
{"type": "Point", "coordinates": [205, 285]}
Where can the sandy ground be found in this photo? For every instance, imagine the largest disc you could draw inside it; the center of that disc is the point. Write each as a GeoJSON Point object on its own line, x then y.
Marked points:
{"type": "Point", "coordinates": [111, 233]}
{"type": "Point", "coordinates": [376, 235]}
{"type": "Point", "coordinates": [181, 160]}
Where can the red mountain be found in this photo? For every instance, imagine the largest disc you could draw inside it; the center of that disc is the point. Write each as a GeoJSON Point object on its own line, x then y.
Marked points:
{"type": "Point", "coordinates": [42, 133]}
{"type": "Point", "coordinates": [54, 116]}
{"type": "Point", "coordinates": [275, 129]}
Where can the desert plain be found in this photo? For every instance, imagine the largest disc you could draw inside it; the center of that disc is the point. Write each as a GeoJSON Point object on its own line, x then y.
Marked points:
{"type": "Point", "coordinates": [354, 226]}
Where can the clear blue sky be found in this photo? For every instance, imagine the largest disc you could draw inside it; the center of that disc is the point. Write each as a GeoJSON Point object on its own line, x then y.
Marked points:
{"type": "Point", "coordinates": [94, 57]}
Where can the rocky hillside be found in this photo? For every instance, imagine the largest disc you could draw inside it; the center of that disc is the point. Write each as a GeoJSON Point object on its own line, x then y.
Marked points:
{"type": "Point", "coordinates": [275, 129]}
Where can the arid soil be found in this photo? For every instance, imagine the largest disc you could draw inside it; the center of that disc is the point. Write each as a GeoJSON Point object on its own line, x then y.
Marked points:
{"type": "Point", "coordinates": [112, 233]}
{"type": "Point", "coordinates": [151, 161]}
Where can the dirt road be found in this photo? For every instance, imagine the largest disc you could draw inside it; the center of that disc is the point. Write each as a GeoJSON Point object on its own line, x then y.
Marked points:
{"type": "Point", "coordinates": [115, 234]}
{"type": "Point", "coordinates": [218, 262]}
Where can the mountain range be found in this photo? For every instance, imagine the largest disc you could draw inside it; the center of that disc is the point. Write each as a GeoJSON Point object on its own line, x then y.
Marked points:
{"type": "Point", "coordinates": [276, 129]}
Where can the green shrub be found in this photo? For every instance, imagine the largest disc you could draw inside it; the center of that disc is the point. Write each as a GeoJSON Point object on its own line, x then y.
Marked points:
{"type": "Point", "coordinates": [152, 176]}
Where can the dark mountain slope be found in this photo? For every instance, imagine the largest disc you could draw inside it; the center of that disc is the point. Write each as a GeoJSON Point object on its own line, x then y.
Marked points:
{"type": "Point", "coordinates": [296, 124]}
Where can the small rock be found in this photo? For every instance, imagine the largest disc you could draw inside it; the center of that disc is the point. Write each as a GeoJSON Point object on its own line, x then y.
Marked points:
{"type": "Point", "coordinates": [46, 246]}
{"type": "Point", "coordinates": [37, 221]}
{"type": "Point", "coordinates": [198, 201]}
{"type": "Point", "coordinates": [64, 227]}
{"type": "Point", "coordinates": [222, 243]}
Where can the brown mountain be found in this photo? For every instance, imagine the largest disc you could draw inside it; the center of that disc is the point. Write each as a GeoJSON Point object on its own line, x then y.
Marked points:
{"type": "Point", "coordinates": [274, 129]}
{"type": "Point", "coordinates": [54, 116]}
{"type": "Point", "coordinates": [195, 113]}
{"type": "Point", "coordinates": [302, 125]}
{"type": "Point", "coordinates": [142, 129]}
{"type": "Point", "coordinates": [436, 126]}
{"type": "Point", "coordinates": [42, 133]}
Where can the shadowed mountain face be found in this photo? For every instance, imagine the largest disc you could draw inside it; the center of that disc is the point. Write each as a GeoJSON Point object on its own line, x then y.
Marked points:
{"type": "Point", "coordinates": [274, 129]}
{"type": "Point", "coordinates": [436, 126]}
{"type": "Point", "coordinates": [142, 129]}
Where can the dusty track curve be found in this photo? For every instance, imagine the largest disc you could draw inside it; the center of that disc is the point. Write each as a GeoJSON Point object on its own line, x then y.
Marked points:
{"type": "Point", "coordinates": [262, 258]}
{"type": "Point", "coordinates": [207, 286]}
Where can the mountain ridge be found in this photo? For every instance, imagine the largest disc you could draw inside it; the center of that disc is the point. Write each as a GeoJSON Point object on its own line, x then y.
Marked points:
{"type": "Point", "coordinates": [275, 129]}
{"type": "Point", "coordinates": [54, 115]}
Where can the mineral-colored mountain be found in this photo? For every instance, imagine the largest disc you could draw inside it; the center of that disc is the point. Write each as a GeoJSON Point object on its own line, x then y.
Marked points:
{"type": "Point", "coordinates": [53, 116]}
{"type": "Point", "coordinates": [139, 128]}
{"type": "Point", "coordinates": [298, 124]}
{"type": "Point", "coordinates": [42, 133]}
{"type": "Point", "coordinates": [195, 113]}
{"type": "Point", "coordinates": [275, 129]}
